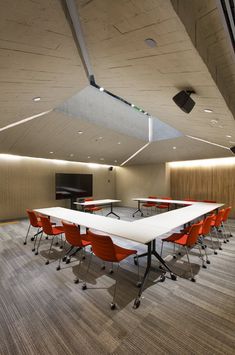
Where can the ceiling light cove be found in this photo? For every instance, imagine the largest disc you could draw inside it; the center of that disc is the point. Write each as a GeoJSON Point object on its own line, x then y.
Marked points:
{"type": "Point", "coordinates": [228, 136]}
{"type": "Point", "coordinates": [80, 132]}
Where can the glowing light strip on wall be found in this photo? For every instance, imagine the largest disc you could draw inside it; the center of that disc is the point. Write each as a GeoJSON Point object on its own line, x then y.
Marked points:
{"type": "Point", "coordinates": [24, 120]}
{"type": "Point", "coordinates": [12, 157]}
{"type": "Point", "coordinates": [202, 163]}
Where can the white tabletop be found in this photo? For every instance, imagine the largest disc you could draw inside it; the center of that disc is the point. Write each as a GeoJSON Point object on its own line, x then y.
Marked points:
{"type": "Point", "coordinates": [180, 202]}
{"type": "Point", "coordinates": [141, 231]}
{"type": "Point", "coordinates": [96, 202]}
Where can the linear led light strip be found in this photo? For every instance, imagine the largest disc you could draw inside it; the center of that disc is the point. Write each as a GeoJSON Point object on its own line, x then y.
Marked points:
{"type": "Point", "coordinates": [24, 120]}
{"type": "Point", "coordinates": [150, 122]}
{"type": "Point", "coordinates": [203, 140]}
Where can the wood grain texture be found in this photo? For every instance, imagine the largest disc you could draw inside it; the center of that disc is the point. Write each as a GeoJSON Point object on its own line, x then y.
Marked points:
{"type": "Point", "coordinates": [43, 312]}
{"type": "Point", "coordinates": [204, 183]}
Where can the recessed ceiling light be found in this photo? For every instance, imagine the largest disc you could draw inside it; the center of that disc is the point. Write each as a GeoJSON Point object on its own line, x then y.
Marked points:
{"type": "Point", "coordinates": [88, 157]}
{"type": "Point", "coordinates": [174, 147]}
{"type": "Point", "coordinates": [101, 158]}
{"type": "Point", "coordinates": [132, 105]}
{"type": "Point", "coordinates": [51, 152]}
{"type": "Point", "coordinates": [214, 121]}
{"type": "Point", "coordinates": [150, 42]}
{"type": "Point", "coordinates": [228, 136]}
{"type": "Point", "coordinates": [71, 154]}
{"type": "Point", "coordinates": [80, 132]}
{"type": "Point", "coordinates": [101, 138]}
{"type": "Point", "coordinates": [119, 143]}
{"type": "Point", "coordinates": [35, 99]}
{"type": "Point", "coordinates": [101, 89]}
{"type": "Point", "coordinates": [208, 110]}
{"type": "Point", "coordinates": [115, 161]}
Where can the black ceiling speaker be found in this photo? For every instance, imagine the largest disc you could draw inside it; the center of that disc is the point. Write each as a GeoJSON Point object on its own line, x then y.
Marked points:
{"type": "Point", "coordinates": [184, 101]}
{"type": "Point", "coordinates": [233, 149]}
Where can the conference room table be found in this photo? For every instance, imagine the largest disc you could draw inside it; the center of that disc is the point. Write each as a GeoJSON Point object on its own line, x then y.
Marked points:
{"type": "Point", "coordinates": [144, 231]}
{"type": "Point", "coordinates": [141, 200]}
{"type": "Point", "coordinates": [100, 203]}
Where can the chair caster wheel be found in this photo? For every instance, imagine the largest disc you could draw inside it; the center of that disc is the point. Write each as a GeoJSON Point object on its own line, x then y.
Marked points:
{"type": "Point", "coordinates": [111, 271]}
{"type": "Point", "coordinates": [215, 252]}
{"type": "Point", "coordinates": [56, 243]}
{"type": "Point", "coordinates": [135, 261]}
{"type": "Point", "coordinates": [83, 258]}
{"type": "Point", "coordinates": [138, 284]}
{"type": "Point", "coordinates": [204, 266]}
{"type": "Point", "coordinates": [32, 239]}
{"type": "Point", "coordinates": [220, 248]}
{"type": "Point", "coordinates": [61, 247]}
{"type": "Point", "coordinates": [67, 261]}
{"type": "Point", "coordinates": [193, 279]}
{"type": "Point", "coordinates": [76, 281]}
{"type": "Point", "coordinates": [58, 268]}
{"type": "Point", "coordinates": [136, 303]}
{"type": "Point", "coordinates": [162, 278]}
{"type": "Point", "coordinates": [174, 256]}
{"type": "Point", "coordinates": [208, 262]}
{"type": "Point", "coordinates": [179, 253]}
{"type": "Point", "coordinates": [33, 249]}
{"type": "Point", "coordinates": [225, 242]}
{"type": "Point", "coordinates": [25, 243]}
{"type": "Point", "coordinates": [173, 277]}
{"type": "Point", "coordinates": [103, 267]}
{"type": "Point", "coordinates": [112, 306]}
{"type": "Point", "coordinates": [64, 259]}
{"type": "Point", "coordinates": [36, 253]}
{"type": "Point", "coordinates": [46, 238]}
{"type": "Point", "coordinates": [47, 262]}
{"type": "Point", "coordinates": [84, 287]}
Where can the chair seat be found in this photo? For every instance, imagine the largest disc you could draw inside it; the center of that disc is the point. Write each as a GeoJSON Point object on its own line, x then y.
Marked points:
{"type": "Point", "coordinates": [162, 206]}
{"type": "Point", "coordinates": [149, 204]}
{"type": "Point", "coordinates": [93, 208]}
{"type": "Point", "coordinates": [57, 230]}
{"type": "Point", "coordinates": [173, 237]}
{"type": "Point", "coordinates": [122, 253]}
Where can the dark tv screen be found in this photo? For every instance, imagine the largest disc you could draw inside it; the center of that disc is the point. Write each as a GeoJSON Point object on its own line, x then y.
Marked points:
{"type": "Point", "coordinates": [72, 186]}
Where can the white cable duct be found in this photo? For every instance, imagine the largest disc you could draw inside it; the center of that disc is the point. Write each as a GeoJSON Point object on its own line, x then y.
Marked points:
{"type": "Point", "coordinates": [73, 12]}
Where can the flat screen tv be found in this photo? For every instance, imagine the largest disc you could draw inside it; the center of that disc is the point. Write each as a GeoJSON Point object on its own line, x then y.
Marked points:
{"type": "Point", "coordinates": [72, 186]}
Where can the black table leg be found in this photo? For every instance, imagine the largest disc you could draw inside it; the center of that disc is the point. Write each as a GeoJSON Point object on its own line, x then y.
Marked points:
{"type": "Point", "coordinates": [111, 212]}
{"type": "Point", "coordinates": [138, 210]}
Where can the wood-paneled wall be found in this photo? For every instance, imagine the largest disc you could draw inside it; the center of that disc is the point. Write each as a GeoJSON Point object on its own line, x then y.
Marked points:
{"type": "Point", "coordinates": [204, 183]}
{"type": "Point", "coordinates": [30, 183]}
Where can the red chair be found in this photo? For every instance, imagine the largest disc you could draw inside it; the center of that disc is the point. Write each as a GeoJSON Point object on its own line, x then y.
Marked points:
{"type": "Point", "coordinates": [225, 222]}
{"type": "Point", "coordinates": [35, 222]}
{"type": "Point", "coordinates": [209, 201]}
{"type": "Point", "coordinates": [75, 239]}
{"type": "Point", "coordinates": [49, 230]}
{"type": "Point", "coordinates": [91, 208]}
{"type": "Point", "coordinates": [164, 205]}
{"type": "Point", "coordinates": [104, 248]}
{"type": "Point", "coordinates": [204, 231]}
{"type": "Point", "coordinates": [150, 204]}
{"type": "Point", "coordinates": [216, 224]}
{"type": "Point", "coordinates": [188, 241]}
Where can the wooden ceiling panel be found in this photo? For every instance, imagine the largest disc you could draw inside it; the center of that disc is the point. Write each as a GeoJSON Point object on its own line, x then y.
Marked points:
{"type": "Point", "coordinates": [38, 57]}
{"type": "Point", "coordinates": [150, 77]}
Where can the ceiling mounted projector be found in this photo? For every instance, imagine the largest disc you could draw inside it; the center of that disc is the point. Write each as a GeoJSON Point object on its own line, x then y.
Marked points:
{"type": "Point", "coordinates": [184, 101]}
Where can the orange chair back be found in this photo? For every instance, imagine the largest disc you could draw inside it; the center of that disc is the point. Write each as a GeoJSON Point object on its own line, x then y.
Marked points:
{"type": "Point", "coordinates": [46, 225]}
{"type": "Point", "coordinates": [193, 234]}
{"type": "Point", "coordinates": [219, 218]}
{"type": "Point", "coordinates": [32, 218]}
{"type": "Point", "coordinates": [87, 200]}
{"type": "Point", "coordinates": [72, 234]}
{"type": "Point", "coordinates": [153, 197]}
{"type": "Point", "coordinates": [206, 226]}
{"type": "Point", "coordinates": [103, 247]}
{"type": "Point", "coordinates": [226, 213]}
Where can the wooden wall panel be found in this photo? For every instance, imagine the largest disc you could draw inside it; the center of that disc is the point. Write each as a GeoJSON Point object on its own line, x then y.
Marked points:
{"type": "Point", "coordinates": [204, 183]}
{"type": "Point", "coordinates": [30, 183]}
